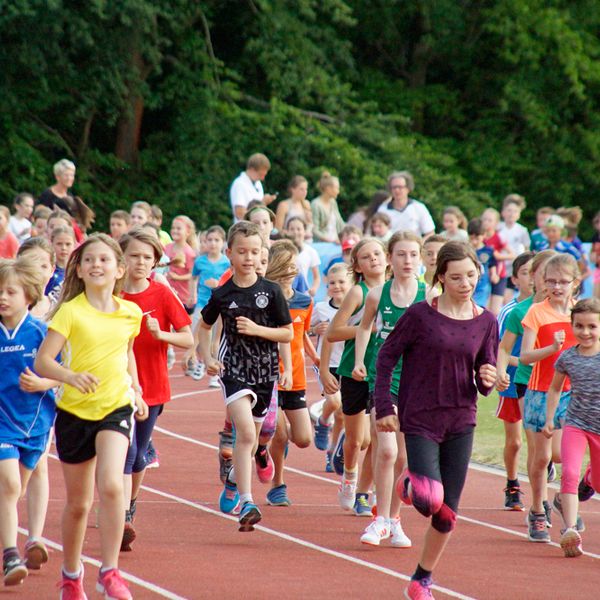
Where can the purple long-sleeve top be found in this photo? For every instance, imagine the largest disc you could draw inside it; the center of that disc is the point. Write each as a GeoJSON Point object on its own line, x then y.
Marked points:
{"type": "Point", "coordinates": [441, 358]}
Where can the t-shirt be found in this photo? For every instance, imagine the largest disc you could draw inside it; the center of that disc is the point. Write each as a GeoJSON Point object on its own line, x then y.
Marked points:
{"type": "Point", "coordinates": [517, 239]}
{"type": "Point", "coordinates": [541, 243]}
{"type": "Point", "coordinates": [23, 415]}
{"type": "Point", "coordinates": [498, 245]}
{"type": "Point", "coordinates": [511, 391]}
{"type": "Point", "coordinates": [243, 190]}
{"type": "Point", "coordinates": [596, 247]}
{"type": "Point", "coordinates": [204, 269]}
{"type": "Point", "coordinates": [460, 236]}
{"type": "Point", "coordinates": [299, 283]}
{"type": "Point", "coordinates": [583, 410]}
{"type": "Point", "coordinates": [181, 288]}
{"type": "Point", "coordinates": [325, 311]}
{"type": "Point", "coordinates": [546, 321]}
{"type": "Point", "coordinates": [20, 228]}
{"type": "Point", "coordinates": [307, 259]}
{"type": "Point", "coordinates": [8, 245]}
{"type": "Point", "coordinates": [301, 307]}
{"type": "Point", "coordinates": [441, 358]}
{"type": "Point", "coordinates": [514, 325]}
{"type": "Point", "coordinates": [413, 217]}
{"type": "Point", "coordinates": [96, 343]}
{"type": "Point", "coordinates": [249, 359]}
{"type": "Point", "coordinates": [151, 354]}
{"type": "Point", "coordinates": [54, 285]}
{"type": "Point", "coordinates": [485, 255]}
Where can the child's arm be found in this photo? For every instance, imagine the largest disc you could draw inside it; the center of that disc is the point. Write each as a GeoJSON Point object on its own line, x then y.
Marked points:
{"type": "Point", "coordinates": [339, 330]}
{"type": "Point", "coordinates": [175, 277]}
{"type": "Point", "coordinates": [363, 334]}
{"type": "Point", "coordinates": [182, 338]}
{"type": "Point", "coordinates": [505, 359]}
{"type": "Point", "coordinates": [280, 213]}
{"type": "Point", "coordinates": [330, 383]}
{"type": "Point", "coordinates": [552, 398]}
{"type": "Point", "coordinates": [141, 408]}
{"type": "Point", "coordinates": [493, 273]}
{"type": "Point", "coordinates": [194, 290]}
{"type": "Point", "coordinates": [30, 382]}
{"type": "Point", "coordinates": [213, 366]}
{"type": "Point", "coordinates": [47, 366]}
{"type": "Point", "coordinates": [529, 355]}
{"type": "Point", "coordinates": [286, 378]}
{"type": "Point", "coordinates": [245, 326]}
{"type": "Point", "coordinates": [310, 350]}
{"type": "Point", "coordinates": [316, 281]}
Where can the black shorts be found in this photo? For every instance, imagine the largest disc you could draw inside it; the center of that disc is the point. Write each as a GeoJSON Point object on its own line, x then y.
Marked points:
{"type": "Point", "coordinates": [510, 284]}
{"type": "Point", "coordinates": [371, 403]}
{"type": "Point", "coordinates": [521, 389]}
{"type": "Point", "coordinates": [499, 288]}
{"type": "Point", "coordinates": [291, 400]}
{"type": "Point", "coordinates": [76, 438]}
{"type": "Point", "coordinates": [355, 395]}
{"type": "Point", "coordinates": [259, 392]}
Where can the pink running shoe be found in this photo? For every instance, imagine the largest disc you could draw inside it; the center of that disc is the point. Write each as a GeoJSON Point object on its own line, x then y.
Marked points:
{"type": "Point", "coordinates": [72, 589]}
{"type": "Point", "coordinates": [113, 586]}
{"type": "Point", "coordinates": [419, 589]}
{"type": "Point", "coordinates": [265, 468]}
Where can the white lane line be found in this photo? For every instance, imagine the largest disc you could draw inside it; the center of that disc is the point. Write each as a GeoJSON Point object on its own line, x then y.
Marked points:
{"type": "Point", "coordinates": [128, 576]}
{"type": "Point", "coordinates": [184, 394]}
{"type": "Point", "coordinates": [306, 544]}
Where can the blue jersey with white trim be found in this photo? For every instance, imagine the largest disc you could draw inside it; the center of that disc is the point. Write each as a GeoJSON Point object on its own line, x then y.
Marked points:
{"type": "Point", "coordinates": [22, 414]}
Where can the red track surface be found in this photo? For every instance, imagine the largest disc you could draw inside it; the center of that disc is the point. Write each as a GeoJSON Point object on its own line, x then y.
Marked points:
{"type": "Point", "coordinates": [187, 549]}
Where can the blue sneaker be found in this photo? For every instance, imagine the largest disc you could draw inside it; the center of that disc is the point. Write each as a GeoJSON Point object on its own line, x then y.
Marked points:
{"type": "Point", "coordinates": [361, 506]}
{"type": "Point", "coordinates": [338, 455]}
{"type": "Point", "coordinates": [277, 496]}
{"type": "Point", "coordinates": [229, 498]}
{"type": "Point", "coordinates": [322, 435]}
{"type": "Point", "coordinates": [249, 516]}
{"type": "Point", "coordinates": [328, 465]}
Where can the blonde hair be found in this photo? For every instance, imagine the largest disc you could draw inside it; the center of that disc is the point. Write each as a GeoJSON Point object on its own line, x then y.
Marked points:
{"type": "Point", "coordinates": [459, 214]}
{"type": "Point", "coordinates": [282, 260]}
{"type": "Point", "coordinates": [516, 199]}
{"type": "Point", "coordinates": [73, 285]}
{"type": "Point", "coordinates": [191, 239]}
{"type": "Point", "coordinates": [60, 230]}
{"type": "Point", "coordinates": [326, 180]}
{"type": "Point", "coordinates": [142, 205]}
{"type": "Point", "coordinates": [27, 274]}
{"type": "Point", "coordinates": [39, 243]}
{"type": "Point", "coordinates": [145, 237]}
{"type": "Point", "coordinates": [540, 258]}
{"type": "Point", "coordinates": [357, 276]}
{"type": "Point", "coordinates": [338, 268]}
{"type": "Point", "coordinates": [404, 236]}
{"type": "Point", "coordinates": [258, 161]}
{"type": "Point", "coordinates": [563, 262]}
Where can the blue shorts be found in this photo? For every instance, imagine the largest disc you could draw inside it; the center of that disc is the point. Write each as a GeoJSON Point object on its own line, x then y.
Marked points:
{"type": "Point", "coordinates": [27, 451]}
{"type": "Point", "coordinates": [534, 413]}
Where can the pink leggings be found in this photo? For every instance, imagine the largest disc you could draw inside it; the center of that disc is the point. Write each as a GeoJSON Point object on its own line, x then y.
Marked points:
{"type": "Point", "coordinates": [572, 450]}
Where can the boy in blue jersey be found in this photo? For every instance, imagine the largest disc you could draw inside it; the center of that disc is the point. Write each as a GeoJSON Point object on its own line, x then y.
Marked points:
{"type": "Point", "coordinates": [26, 402]}
{"type": "Point", "coordinates": [485, 255]}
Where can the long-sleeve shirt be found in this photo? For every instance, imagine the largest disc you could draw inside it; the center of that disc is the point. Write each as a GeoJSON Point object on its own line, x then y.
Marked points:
{"type": "Point", "coordinates": [440, 370]}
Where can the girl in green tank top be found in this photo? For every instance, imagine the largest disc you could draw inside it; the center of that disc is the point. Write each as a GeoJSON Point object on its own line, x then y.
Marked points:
{"type": "Point", "coordinates": [383, 307]}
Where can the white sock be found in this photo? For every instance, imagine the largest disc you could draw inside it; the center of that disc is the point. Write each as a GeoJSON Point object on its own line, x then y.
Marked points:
{"type": "Point", "coordinates": [71, 575]}
{"type": "Point", "coordinates": [246, 498]}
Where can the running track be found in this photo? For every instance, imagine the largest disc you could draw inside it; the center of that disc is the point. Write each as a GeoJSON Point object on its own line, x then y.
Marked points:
{"type": "Point", "coordinates": [187, 549]}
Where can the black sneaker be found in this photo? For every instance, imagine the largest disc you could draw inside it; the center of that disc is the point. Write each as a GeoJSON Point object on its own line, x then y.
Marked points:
{"type": "Point", "coordinates": [585, 491]}
{"type": "Point", "coordinates": [512, 498]}
{"type": "Point", "coordinates": [537, 528]}
{"type": "Point", "coordinates": [548, 513]}
{"type": "Point", "coordinates": [15, 570]}
{"type": "Point", "coordinates": [133, 508]}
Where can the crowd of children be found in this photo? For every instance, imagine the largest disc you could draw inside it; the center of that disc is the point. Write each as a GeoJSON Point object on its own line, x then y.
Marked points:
{"type": "Point", "coordinates": [240, 304]}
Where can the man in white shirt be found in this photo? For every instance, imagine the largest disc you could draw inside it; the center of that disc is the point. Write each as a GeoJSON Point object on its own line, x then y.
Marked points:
{"type": "Point", "coordinates": [405, 213]}
{"type": "Point", "coordinates": [247, 186]}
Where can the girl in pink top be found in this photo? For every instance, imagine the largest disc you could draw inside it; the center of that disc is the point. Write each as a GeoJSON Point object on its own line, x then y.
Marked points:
{"type": "Point", "coordinates": [181, 258]}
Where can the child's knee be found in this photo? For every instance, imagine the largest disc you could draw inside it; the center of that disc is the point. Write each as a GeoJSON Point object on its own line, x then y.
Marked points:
{"type": "Point", "coordinates": [387, 455]}
{"type": "Point", "coordinates": [444, 520]}
{"type": "Point", "coordinates": [78, 508]}
{"type": "Point", "coordinates": [513, 445]}
{"type": "Point", "coordinates": [10, 487]}
{"type": "Point", "coordinates": [427, 494]}
{"type": "Point", "coordinates": [302, 441]}
{"type": "Point", "coordinates": [110, 489]}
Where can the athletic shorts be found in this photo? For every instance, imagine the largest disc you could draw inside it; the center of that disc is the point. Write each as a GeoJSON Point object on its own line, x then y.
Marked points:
{"type": "Point", "coordinates": [508, 409]}
{"type": "Point", "coordinates": [371, 403]}
{"type": "Point", "coordinates": [521, 389]}
{"type": "Point", "coordinates": [355, 396]}
{"type": "Point", "coordinates": [534, 413]}
{"type": "Point", "coordinates": [499, 288]}
{"type": "Point", "coordinates": [510, 284]}
{"type": "Point", "coordinates": [260, 393]}
{"type": "Point", "coordinates": [27, 451]}
{"type": "Point", "coordinates": [291, 400]}
{"type": "Point", "coordinates": [76, 438]}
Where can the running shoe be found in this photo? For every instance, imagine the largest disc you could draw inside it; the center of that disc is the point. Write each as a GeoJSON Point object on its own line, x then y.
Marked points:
{"type": "Point", "coordinates": [170, 357]}
{"type": "Point", "coordinates": [213, 382]}
{"type": "Point", "coordinates": [265, 468]}
{"type": "Point", "coordinates": [376, 531]}
{"type": "Point", "coordinates": [249, 516]}
{"type": "Point", "coordinates": [322, 435]}
{"type": "Point", "coordinates": [338, 455]}
{"type": "Point", "coordinates": [128, 533]}
{"type": "Point", "coordinates": [399, 538]}
{"type": "Point", "coordinates": [512, 498]}
{"type": "Point", "coordinates": [36, 554]}
{"type": "Point", "coordinates": [198, 371]}
{"type": "Point", "coordinates": [537, 528]}
{"type": "Point", "coordinates": [570, 542]}
{"type": "Point", "coordinates": [152, 457]}
{"type": "Point", "coordinates": [72, 589]}
{"type": "Point", "coordinates": [361, 507]}
{"type": "Point", "coordinates": [316, 410]}
{"type": "Point", "coordinates": [585, 491]}
{"type": "Point", "coordinates": [419, 589]}
{"type": "Point", "coordinates": [347, 494]}
{"type": "Point", "coordinates": [548, 513]}
{"type": "Point", "coordinates": [551, 472]}
{"type": "Point", "coordinates": [557, 507]}
{"type": "Point", "coordinates": [328, 465]}
{"type": "Point", "coordinates": [277, 496]}
{"type": "Point", "coordinates": [113, 586]}
{"type": "Point", "coordinates": [229, 498]}
{"type": "Point", "coordinates": [226, 441]}
{"type": "Point", "coordinates": [15, 570]}
{"type": "Point", "coordinates": [133, 508]}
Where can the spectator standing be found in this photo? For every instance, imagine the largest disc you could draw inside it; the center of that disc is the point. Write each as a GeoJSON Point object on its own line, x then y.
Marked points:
{"type": "Point", "coordinates": [247, 186]}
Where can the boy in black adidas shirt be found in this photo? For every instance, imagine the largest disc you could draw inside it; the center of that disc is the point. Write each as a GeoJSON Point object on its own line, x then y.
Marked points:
{"type": "Point", "coordinates": [255, 319]}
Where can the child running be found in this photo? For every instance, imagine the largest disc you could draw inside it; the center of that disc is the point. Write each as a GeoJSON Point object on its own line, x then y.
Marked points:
{"type": "Point", "coordinates": [94, 330]}
{"type": "Point", "coordinates": [181, 256]}
{"type": "Point", "coordinates": [383, 307]}
{"type": "Point", "coordinates": [448, 349]}
{"type": "Point", "coordinates": [26, 405]}
{"type": "Point", "coordinates": [581, 363]}
{"type": "Point", "coordinates": [163, 312]}
{"type": "Point", "coordinates": [255, 319]}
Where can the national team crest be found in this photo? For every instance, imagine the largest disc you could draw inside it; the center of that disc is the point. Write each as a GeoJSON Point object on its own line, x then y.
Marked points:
{"type": "Point", "coordinates": [262, 301]}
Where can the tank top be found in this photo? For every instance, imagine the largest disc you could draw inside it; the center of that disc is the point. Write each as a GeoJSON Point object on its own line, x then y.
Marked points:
{"type": "Point", "coordinates": [386, 318]}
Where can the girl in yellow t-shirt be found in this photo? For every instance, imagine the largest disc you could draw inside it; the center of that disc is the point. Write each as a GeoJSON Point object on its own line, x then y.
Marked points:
{"type": "Point", "coordinates": [93, 330]}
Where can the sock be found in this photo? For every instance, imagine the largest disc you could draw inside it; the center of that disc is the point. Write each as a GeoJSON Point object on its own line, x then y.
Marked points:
{"type": "Point", "coordinates": [74, 575]}
{"type": "Point", "coordinates": [512, 483]}
{"type": "Point", "coordinates": [323, 422]}
{"type": "Point", "coordinates": [351, 475]}
{"type": "Point", "coordinates": [245, 498]}
{"type": "Point", "coordinates": [421, 573]}
{"type": "Point", "coordinates": [105, 569]}
{"type": "Point", "coordinates": [231, 475]}
{"type": "Point", "coordinates": [227, 426]}
{"type": "Point", "coordinates": [9, 553]}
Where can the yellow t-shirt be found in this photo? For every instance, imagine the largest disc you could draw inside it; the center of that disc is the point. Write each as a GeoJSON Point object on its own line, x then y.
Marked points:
{"type": "Point", "coordinates": [97, 344]}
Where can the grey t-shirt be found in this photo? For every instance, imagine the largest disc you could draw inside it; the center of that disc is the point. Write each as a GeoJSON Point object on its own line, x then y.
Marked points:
{"type": "Point", "coordinates": [583, 411]}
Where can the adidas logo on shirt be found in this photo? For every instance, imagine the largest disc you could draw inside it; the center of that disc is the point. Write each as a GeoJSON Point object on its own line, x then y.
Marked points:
{"type": "Point", "coordinates": [298, 319]}
{"type": "Point", "coordinates": [233, 305]}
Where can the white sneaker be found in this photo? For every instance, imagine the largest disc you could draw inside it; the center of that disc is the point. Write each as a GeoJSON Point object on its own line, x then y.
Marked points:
{"type": "Point", "coordinates": [347, 494]}
{"type": "Point", "coordinates": [399, 538]}
{"type": "Point", "coordinates": [170, 357]}
{"type": "Point", "coordinates": [377, 530]}
{"type": "Point", "coordinates": [214, 382]}
{"type": "Point", "coordinates": [198, 371]}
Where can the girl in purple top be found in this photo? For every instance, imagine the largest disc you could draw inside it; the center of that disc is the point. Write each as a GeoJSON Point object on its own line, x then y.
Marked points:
{"type": "Point", "coordinates": [457, 341]}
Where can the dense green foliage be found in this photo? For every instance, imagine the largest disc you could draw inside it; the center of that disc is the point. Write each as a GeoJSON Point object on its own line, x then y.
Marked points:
{"type": "Point", "coordinates": [164, 100]}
